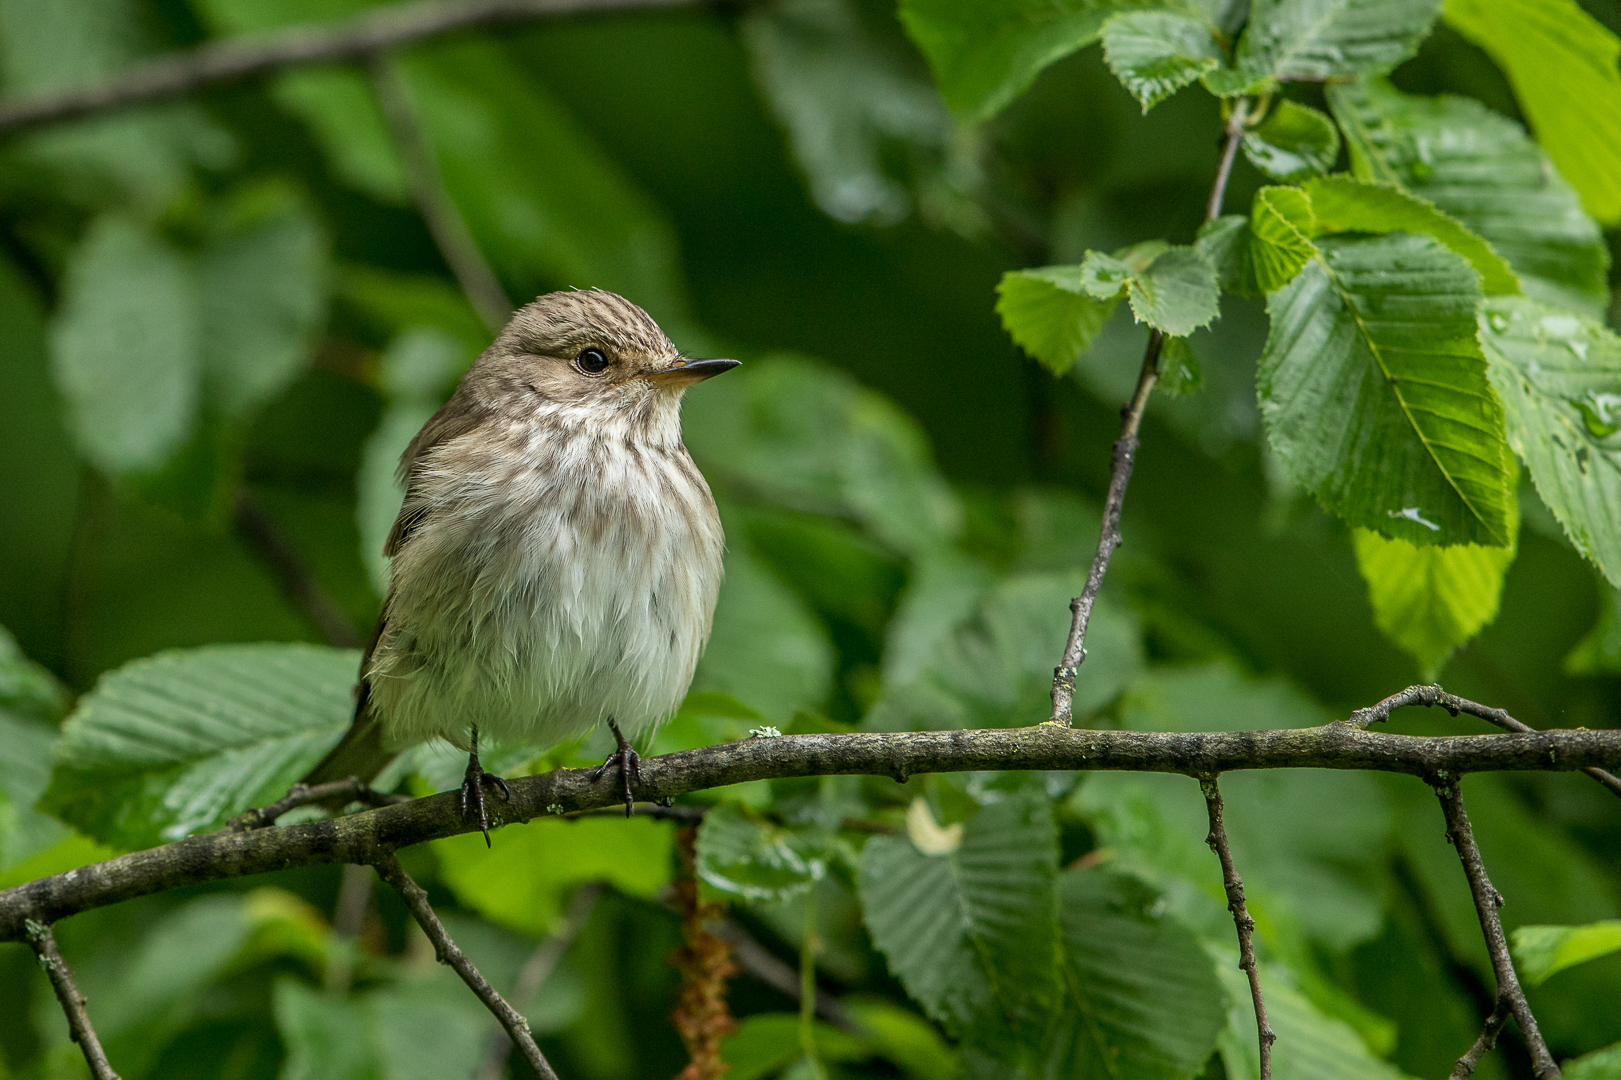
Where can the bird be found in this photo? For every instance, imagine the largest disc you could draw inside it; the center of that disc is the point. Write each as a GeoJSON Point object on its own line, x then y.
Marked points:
{"type": "Point", "coordinates": [557, 558]}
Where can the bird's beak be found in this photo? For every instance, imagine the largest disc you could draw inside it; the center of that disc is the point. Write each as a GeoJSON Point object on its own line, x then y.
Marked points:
{"type": "Point", "coordinates": [686, 372]}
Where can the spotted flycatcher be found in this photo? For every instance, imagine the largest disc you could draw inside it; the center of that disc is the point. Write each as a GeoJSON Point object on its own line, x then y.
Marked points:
{"type": "Point", "coordinates": [556, 560]}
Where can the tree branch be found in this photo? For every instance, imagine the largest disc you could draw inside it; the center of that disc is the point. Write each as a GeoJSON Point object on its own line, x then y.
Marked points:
{"type": "Point", "coordinates": [43, 942]}
{"type": "Point", "coordinates": [350, 790]}
{"type": "Point", "coordinates": [1510, 997]}
{"type": "Point", "coordinates": [438, 210]}
{"type": "Point", "coordinates": [416, 899]}
{"type": "Point", "coordinates": [235, 59]}
{"type": "Point", "coordinates": [367, 836]}
{"type": "Point", "coordinates": [536, 970]}
{"type": "Point", "coordinates": [1465, 1067]}
{"type": "Point", "coordinates": [1234, 886]}
{"type": "Point", "coordinates": [1124, 458]}
{"type": "Point", "coordinates": [1452, 703]}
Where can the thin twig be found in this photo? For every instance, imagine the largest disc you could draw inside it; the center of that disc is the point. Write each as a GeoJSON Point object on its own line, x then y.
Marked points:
{"type": "Point", "coordinates": [73, 1003]}
{"type": "Point", "coordinates": [1510, 997]}
{"type": "Point", "coordinates": [1452, 703]}
{"type": "Point", "coordinates": [363, 837]}
{"type": "Point", "coordinates": [536, 970]}
{"type": "Point", "coordinates": [1487, 1039]}
{"type": "Point", "coordinates": [266, 540]}
{"type": "Point", "coordinates": [348, 916]}
{"type": "Point", "coordinates": [1123, 459]}
{"type": "Point", "coordinates": [416, 900]}
{"type": "Point", "coordinates": [234, 59]}
{"type": "Point", "coordinates": [433, 201]}
{"type": "Point", "coordinates": [759, 962]}
{"type": "Point", "coordinates": [350, 790]}
{"type": "Point", "coordinates": [1234, 885]}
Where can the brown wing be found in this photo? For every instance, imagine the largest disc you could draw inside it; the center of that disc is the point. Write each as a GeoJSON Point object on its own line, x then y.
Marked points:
{"type": "Point", "coordinates": [456, 418]}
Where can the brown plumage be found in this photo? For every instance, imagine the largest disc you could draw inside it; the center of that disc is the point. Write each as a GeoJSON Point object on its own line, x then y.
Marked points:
{"type": "Point", "coordinates": [556, 559]}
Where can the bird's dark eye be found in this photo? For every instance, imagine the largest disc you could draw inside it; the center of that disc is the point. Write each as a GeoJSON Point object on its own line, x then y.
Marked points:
{"type": "Point", "coordinates": [591, 361]}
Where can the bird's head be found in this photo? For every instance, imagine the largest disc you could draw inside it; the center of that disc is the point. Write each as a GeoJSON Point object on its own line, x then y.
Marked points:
{"type": "Point", "coordinates": [588, 348]}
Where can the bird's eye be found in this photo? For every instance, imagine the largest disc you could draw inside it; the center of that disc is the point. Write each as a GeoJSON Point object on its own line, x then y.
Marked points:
{"type": "Point", "coordinates": [591, 361]}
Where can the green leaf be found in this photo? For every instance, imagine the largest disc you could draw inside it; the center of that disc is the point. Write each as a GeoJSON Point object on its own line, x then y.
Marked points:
{"type": "Point", "coordinates": [264, 283]}
{"type": "Point", "coordinates": [126, 347]}
{"type": "Point", "coordinates": [766, 1042]}
{"type": "Point", "coordinates": [1562, 64]}
{"type": "Point", "coordinates": [905, 1039]}
{"type": "Point", "coordinates": [1310, 1046]}
{"type": "Point", "coordinates": [1482, 169]}
{"type": "Point", "coordinates": [1049, 313]}
{"type": "Point", "coordinates": [972, 934]}
{"type": "Point", "coordinates": [1227, 242]}
{"type": "Point", "coordinates": [31, 703]}
{"type": "Point", "coordinates": [802, 435]}
{"type": "Point", "coordinates": [523, 880]}
{"type": "Point", "coordinates": [1373, 358]}
{"type": "Point", "coordinates": [1178, 368]}
{"type": "Point", "coordinates": [341, 111]}
{"type": "Point", "coordinates": [755, 859]}
{"type": "Point", "coordinates": [1156, 53]}
{"type": "Point", "coordinates": [1315, 40]}
{"type": "Point", "coordinates": [1602, 1064]}
{"type": "Point", "coordinates": [985, 53]}
{"type": "Point", "coordinates": [1171, 288]}
{"type": "Point", "coordinates": [1176, 293]}
{"type": "Point", "coordinates": [1281, 225]}
{"type": "Point", "coordinates": [1560, 380]}
{"type": "Point", "coordinates": [1429, 600]}
{"type": "Point", "coordinates": [1342, 204]}
{"type": "Point", "coordinates": [1544, 951]}
{"type": "Point", "coordinates": [1599, 653]}
{"type": "Point", "coordinates": [989, 663]}
{"type": "Point", "coordinates": [852, 112]}
{"type": "Point", "coordinates": [178, 742]}
{"type": "Point", "coordinates": [1293, 142]}
{"type": "Point", "coordinates": [328, 1036]}
{"type": "Point", "coordinates": [1142, 997]}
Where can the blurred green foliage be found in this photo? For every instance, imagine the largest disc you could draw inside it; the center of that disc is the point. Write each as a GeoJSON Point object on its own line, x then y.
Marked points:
{"type": "Point", "coordinates": [234, 297]}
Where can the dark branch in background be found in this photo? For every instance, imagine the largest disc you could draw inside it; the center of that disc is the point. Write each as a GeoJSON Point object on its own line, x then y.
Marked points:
{"type": "Point", "coordinates": [235, 59]}
{"type": "Point", "coordinates": [537, 969]}
{"type": "Point", "coordinates": [1465, 1067]}
{"type": "Point", "coordinates": [1124, 458]}
{"type": "Point", "coordinates": [349, 791]}
{"type": "Point", "coordinates": [348, 916]}
{"type": "Point", "coordinates": [1234, 885]}
{"type": "Point", "coordinates": [43, 942]}
{"type": "Point", "coordinates": [367, 836]}
{"type": "Point", "coordinates": [761, 963]}
{"type": "Point", "coordinates": [416, 899]}
{"type": "Point", "coordinates": [259, 531]}
{"type": "Point", "coordinates": [1510, 997]}
{"type": "Point", "coordinates": [433, 202]}
{"type": "Point", "coordinates": [1452, 703]}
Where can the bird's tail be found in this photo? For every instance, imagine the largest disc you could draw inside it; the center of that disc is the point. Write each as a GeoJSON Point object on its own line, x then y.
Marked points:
{"type": "Point", "coordinates": [360, 753]}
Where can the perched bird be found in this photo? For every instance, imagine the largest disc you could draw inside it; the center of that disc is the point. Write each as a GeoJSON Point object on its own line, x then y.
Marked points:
{"type": "Point", "coordinates": [557, 558]}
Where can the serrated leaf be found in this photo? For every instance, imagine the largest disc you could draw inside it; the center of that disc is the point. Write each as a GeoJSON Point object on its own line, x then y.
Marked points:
{"type": "Point", "coordinates": [523, 880]}
{"type": "Point", "coordinates": [1226, 241]}
{"type": "Point", "coordinates": [1375, 395]}
{"type": "Point", "coordinates": [1482, 169]}
{"type": "Point", "coordinates": [973, 935]}
{"type": "Point", "coordinates": [1559, 377]}
{"type": "Point", "coordinates": [1049, 313]}
{"type": "Point", "coordinates": [1562, 64]}
{"type": "Point", "coordinates": [1543, 951]}
{"type": "Point", "coordinates": [263, 291]}
{"type": "Point", "coordinates": [1314, 40]}
{"type": "Point", "coordinates": [1294, 141]}
{"type": "Point", "coordinates": [1156, 53]}
{"type": "Point", "coordinates": [755, 859]}
{"type": "Point", "coordinates": [1430, 600]}
{"type": "Point", "coordinates": [1281, 227]}
{"type": "Point", "coordinates": [126, 347]}
{"type": "Point", "coordinates": [1178, 368]}
{"type": "Point", "coordinates": [1141, 996]}
{"type": "Point", "coordinates": [1342, 204]}
{"type": "Point", "coordinates": [178, 742]}
{"type": "Point", "coordinates": [1177, 293]}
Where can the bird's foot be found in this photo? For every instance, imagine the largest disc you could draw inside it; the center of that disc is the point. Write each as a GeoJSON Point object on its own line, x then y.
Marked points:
{"type": "Point", "coordinates": [630, 766]}
{"type": "Point", "coordinates": [472, 798]}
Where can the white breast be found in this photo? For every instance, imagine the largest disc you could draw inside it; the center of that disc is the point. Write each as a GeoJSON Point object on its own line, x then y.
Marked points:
{"type": "Point", "coordinates": [559, 579]}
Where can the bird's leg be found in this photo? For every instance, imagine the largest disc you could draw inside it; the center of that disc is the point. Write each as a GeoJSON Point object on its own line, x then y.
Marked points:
{"type": "Point", "coordinates": [473, 785]}
{"type": "Point", "coordinates": [629, 762]}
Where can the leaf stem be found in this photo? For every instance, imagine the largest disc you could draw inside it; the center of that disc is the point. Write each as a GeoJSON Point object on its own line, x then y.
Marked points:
{"type": "Point", "coordinates": [43, 942]}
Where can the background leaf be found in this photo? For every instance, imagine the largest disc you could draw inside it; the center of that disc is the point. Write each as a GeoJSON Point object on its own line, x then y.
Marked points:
{"type": "Point", "coordinates": [1430, 600]}
{"type": "Point", "coordinates": [755, 859]}
{"type": "Point", "coordinates": [1050, 315]}
{"type": "Point", "coordinates": [1372, 356]}
{"type": "Point", "coordinates": [1543, 951]}
{"type": "Point", "coordinates": [1560, 380]}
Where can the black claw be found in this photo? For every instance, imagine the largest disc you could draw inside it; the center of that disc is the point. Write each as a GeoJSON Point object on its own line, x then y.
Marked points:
{"type": "Point", "coordinates": [472, 796]}
{"type": "Point", "coordinates": [630, 766]}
